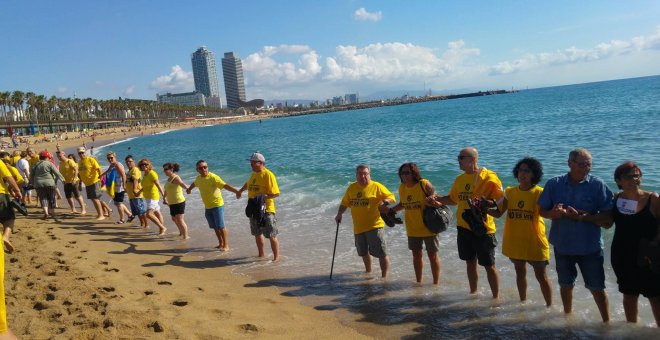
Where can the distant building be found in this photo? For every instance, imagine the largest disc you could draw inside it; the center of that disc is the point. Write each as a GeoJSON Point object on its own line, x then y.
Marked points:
{"type": "Point", "coordinates": [205, 74]}
{"type": "Point", "coordinates": [232, 72]}
{"type": "Point", "coordinates": [188, 98]}
{"type": "Point", "coordinates": [338, 101]}
{"type": "Point", "coordinates": [351, 98]}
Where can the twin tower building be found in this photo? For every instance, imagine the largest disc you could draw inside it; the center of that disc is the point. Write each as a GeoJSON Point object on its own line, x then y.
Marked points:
{"type": "Point", "coordinates": [207, 91]}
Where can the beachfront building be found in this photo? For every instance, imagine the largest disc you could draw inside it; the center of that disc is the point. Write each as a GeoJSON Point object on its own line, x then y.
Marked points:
{"type": "Point", "coordinates": [205, 75]}
{"type": "Point", "coordinates": [232, 72]}
{"type": "Point", "coordinates": [351, 98]}
{"type": "Point", "coordinates": [187, 98]}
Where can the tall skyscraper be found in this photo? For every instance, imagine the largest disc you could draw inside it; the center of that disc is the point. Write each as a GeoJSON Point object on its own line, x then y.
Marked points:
{"type": "Point", "coordinates": [232, 72]}
{"type": "Point", "coordinates": [204, 72]}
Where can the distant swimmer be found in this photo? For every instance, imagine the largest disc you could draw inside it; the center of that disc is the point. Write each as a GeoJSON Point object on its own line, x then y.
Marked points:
{"type": "Point", "coordinates": [365, 198]}
{"type": "Point", "coordinates": [471, 192]}
{"type": "Point", "coordinates": [133, 190]}
{"type": "Point", "coordinates": [413, 191]}
{"type": "Point", "coordinates": [174, 197]}
{"type": "Point", "coordinates": [524, 241]}
{"type": "Point", "coordinates": [262, 190]}
{"type": "Point", "coordinates": [210, 188]}
{"type": "Point", "coordinates": [152, 192]}
{"type": "Point", "coordinates": [578, 205]}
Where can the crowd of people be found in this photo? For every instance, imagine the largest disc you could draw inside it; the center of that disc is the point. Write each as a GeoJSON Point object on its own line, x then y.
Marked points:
{"type": "Point", "coordinates": [577, 203]}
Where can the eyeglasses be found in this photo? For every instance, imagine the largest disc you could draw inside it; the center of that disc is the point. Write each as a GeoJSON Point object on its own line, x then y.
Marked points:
{"type": "Point", "coordinates": [462, 157]}
{"type": "Point", "coordinates": [633, 176]}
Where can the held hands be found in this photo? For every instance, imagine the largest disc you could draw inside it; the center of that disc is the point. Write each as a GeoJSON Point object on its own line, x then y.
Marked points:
{"type": "Point", "coordinates": [238, 195]}
{"type": "Point", "coordinates": [188, 191]}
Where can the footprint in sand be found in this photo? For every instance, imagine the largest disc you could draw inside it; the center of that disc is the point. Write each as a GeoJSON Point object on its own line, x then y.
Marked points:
{"type": "Point", "coordinates": [50, 297]}
{"type": "Point", "coordinates": [148, 274]}
{"type": "Point", "coordinates": [103, 262]}
{"type": "Point", "coordinates": [108, 289]}
{"type": "Point", "coordinates": [248, 327]}
{"type": "Point", "coordinates": [107, 323]}
{"type": "Point", "coordinates": [180, 303]}
{"type": "Point", "coordinates": [156, 326]}
{"type": "Point", "coordinates": [58, 253]}
{"type": "Point", "coordinates": [52, 288]}
{"type": "Point", "coordinates": [111, 270]}
{"type": "Point", "coordinates": [148, 292]}
{"type": "Point", "coordinates": [39, 306]}
{"type": "Point", "coordinates": [167, 283]}
{"type": "Point", "coordinates": [13, 260]}
{"type": "Point", "coordinates": [61, 261]}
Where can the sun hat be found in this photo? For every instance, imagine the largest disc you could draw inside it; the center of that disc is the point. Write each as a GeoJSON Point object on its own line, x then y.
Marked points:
{"type": "Point", "coordinates": [45, 154]}
{"type": "Point", "coordinates": [257, 157]}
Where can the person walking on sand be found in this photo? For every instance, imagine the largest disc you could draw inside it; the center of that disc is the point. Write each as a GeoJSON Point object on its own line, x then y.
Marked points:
{"type": "Point", "coordinates": [578, 205]}
{"type": "Point", "coordinates": [44, 176]}
{"type": "Point", "coordinates": [152, 192]}
{"type": "Point", "coordinates": [367, 199]}
{"type": "Point", "coordinates": [89, 172]}
{"type": "Point", "coordinates": [23, 166]}
{"type": "Point", "coordinates": [69, 170]}
{"type": "Point", "coordinates": [476, 237]}
{"type": "Point", "coordinates": [210, 188]}
{"type": "Point", "coordinates": [413, 191]}
{"type": "Point", "coordinates": [133, 186]}
{"type": "Point", "coordinates": [119, 186]}
{"type": "Point", "coordinates": [174, 197]}
{"type": "Point", "coordinates": [524, 239]}
{"type": "Point", "coordinates": [8, 188]}
{"type": "Point", "coordinates": [263, 183]}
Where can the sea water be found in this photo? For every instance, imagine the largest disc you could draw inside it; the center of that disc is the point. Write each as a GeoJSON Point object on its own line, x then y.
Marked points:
{"type": "Point", "coordinates": [314, 159]}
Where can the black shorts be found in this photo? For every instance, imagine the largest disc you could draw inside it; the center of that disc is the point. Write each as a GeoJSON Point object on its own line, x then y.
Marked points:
{"type": "Point", "coordinates": [71, 190]}
{"type": "Point", "coordinates": [177, 209]}
{"type": "Point", "coordinates": [481, 247]}
{"type": "Point", "coordinates": [6, 211]}
{"type": "Point", "coordinates": [119, 197]}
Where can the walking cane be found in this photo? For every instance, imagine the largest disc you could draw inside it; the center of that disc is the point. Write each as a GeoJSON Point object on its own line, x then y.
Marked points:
{"type": "Point", "coordinates": [333, 251]}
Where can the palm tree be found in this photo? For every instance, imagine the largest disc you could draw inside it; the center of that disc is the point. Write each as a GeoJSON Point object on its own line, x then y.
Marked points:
{"type": "Point", "coordinates": [17, 99]}
{"type": "Point", "coordinates": [5, 98]}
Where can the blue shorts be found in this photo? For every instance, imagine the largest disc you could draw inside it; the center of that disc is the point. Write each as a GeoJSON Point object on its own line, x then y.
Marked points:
{"type": "Point", "coordinates": [137, 207]}
{"type": "Point", "coordinates": [591, 267]}
{"type": "Point", "coordinates": [215, 217]}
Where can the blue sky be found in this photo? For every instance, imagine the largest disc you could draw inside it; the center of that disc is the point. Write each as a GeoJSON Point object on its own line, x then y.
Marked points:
{"type": "Point", "coordinates": [319, 49]}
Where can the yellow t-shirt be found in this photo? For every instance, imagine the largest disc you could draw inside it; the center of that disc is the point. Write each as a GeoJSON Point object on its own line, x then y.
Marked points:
{"type": "Point", "coordinates": [17, 175]}
{"type": "Point", "coordinates": [173, 192]}
{"type": "Point", "coordinates": [487, 185]}
{"type": "Point", "coordinates": [15, 159]}
{"type": "Point", "coordinates": [3, 308]}
{"type": "Point", "coordinates": [4, 173]}
{"type": "Point", "coordinates": [133, 174]}
{"type": "Point", "coordinates": [263, 183]}
{"type": "Point", "coordinates": [413, 201]}
{"type": "Point", "coordinates": [150, 190]}
{"type": "Point", "coordinates": [68, 170]}
{"type": "Point", "coordinates": [33, 160]}
{"type": "Point", "coordinates": [364, 202]}
{"type": "Point", "coordinates": [210, 188]}
{"type": "Point", "coordinates": [88, 170]}
{"type": "Point", "coordinates": [524, 229]}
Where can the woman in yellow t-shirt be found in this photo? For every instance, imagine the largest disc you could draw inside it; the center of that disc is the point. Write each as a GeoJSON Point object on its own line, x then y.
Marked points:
{"type": "Point", "coordinates": [413, 191]}
{"type": "Point", "coordinates": [174, 197]}
{"type": "Point", "coordinates": [152, 191]}
{"type": "Point", "coordinates": [524, 239]}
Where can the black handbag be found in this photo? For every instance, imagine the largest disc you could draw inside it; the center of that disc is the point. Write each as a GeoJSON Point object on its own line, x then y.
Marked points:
{"type": "Point", "coordinates": [435, 219]}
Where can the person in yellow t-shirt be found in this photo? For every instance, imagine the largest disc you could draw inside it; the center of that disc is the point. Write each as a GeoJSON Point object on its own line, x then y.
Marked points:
{"type": "Point", "coordinates": [524, 239]}
{"type": "Point", "coordinates": [174, 197]}
{"type": "Point", "coordinates": [413, 191]}
{"type": "Point", "coordinates": [8, 188]}
{"type": "Point", "coordinates": [474, 184]}
{"type": "Point", "coordinates": [367, 199]}
{"type": "Point", "coordinates": [69, 169]}
{"type": "Point", "coordinates": [89, 172]}
{"type": "Point", "coordinates": [135, 197]}
{"type": "Point", "coordinates": [263, 182]}
{"type": "Point", "coordinates": [152, 192]}
{"type": "Point", "coordinates": [210, 188]}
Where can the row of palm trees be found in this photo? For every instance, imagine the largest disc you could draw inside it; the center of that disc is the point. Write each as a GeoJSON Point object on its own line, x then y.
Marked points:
{"type": "Point", "coordinates": [18, 106]}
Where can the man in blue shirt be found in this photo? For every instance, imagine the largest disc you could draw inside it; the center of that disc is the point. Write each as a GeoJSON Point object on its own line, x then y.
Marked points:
{"type": "Point", "coordinates": [578, 205]}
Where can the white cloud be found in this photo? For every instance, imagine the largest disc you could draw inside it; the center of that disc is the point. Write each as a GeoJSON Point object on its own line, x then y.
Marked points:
{"type": "Point", "coordinates": [573, 54]}
{"type": "Point", "coordinates": [264, 70]}
{"type": "Point", "coordinates": [99, 83]}
{"type": "Point", "coordinates": [176, 81]}
{"type": "Point", "coordinates": [129, 91]}
{"type": "Point", "coordinates": [363, 15]}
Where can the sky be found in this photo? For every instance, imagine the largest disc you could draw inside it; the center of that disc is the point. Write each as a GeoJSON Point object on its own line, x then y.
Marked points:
{"type": "Point", "coordinates": [315, 50]}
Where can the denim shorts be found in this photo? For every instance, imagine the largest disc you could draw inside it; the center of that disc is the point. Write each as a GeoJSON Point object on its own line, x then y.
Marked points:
{"type": "Point", "coordinates": [137, 207]}
{"type": "Point", "coordinates": [215, 217]}
{"type": "Point", "coordinates": [591, 267]}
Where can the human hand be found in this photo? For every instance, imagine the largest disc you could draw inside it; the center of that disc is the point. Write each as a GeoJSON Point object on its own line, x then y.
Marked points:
{"type": "Point", "coordinates": [338, 218]}
{"type": "Point", "coordinates": [238, 195]}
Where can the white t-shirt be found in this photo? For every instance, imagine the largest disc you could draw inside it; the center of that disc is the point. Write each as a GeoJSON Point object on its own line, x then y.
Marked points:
{"type": "Point", "coordinates": [23, 167]}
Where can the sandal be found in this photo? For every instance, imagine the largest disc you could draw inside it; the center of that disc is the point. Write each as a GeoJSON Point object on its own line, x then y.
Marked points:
{"type": "Point", "coordinates": [130, 218]}
{"type": "Point", "coordinates": [120, 222]}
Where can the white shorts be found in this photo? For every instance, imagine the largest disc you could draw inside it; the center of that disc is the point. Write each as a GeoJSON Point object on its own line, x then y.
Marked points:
{"type": "Point", "coordinates": [151, 204]}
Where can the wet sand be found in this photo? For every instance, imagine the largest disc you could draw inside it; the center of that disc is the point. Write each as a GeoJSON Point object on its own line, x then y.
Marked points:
{"type": "Point", "coordinates": [79, 278]}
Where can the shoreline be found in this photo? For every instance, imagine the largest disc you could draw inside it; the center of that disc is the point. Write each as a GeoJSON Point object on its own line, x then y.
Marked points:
{"type": "Point", "coordinates": [80, 278]}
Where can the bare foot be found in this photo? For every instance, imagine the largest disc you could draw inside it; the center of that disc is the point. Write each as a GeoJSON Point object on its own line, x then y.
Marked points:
{"type": "Point", "coordinates": [100, 218]}
{"type": "Point", "coordinates": [185, 237]}
{"type": "Point", "coordinates": [224, 249]}
{"type": "Point", "coordinates": [162, 232]}
{"type": "Point", "coordinates": [83, 212]}
{"type": "Point", "coordinates": [218, 246]}
{"type": "Point", "coordinates": [9, 247]}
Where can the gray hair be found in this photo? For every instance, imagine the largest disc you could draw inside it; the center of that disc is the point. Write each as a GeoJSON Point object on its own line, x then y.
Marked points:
{"type": "Point", "coordinates": [575, 153]}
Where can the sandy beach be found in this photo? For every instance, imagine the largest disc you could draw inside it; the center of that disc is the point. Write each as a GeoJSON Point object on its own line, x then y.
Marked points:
{"type": "Point", "coordinates": [82, 279]}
